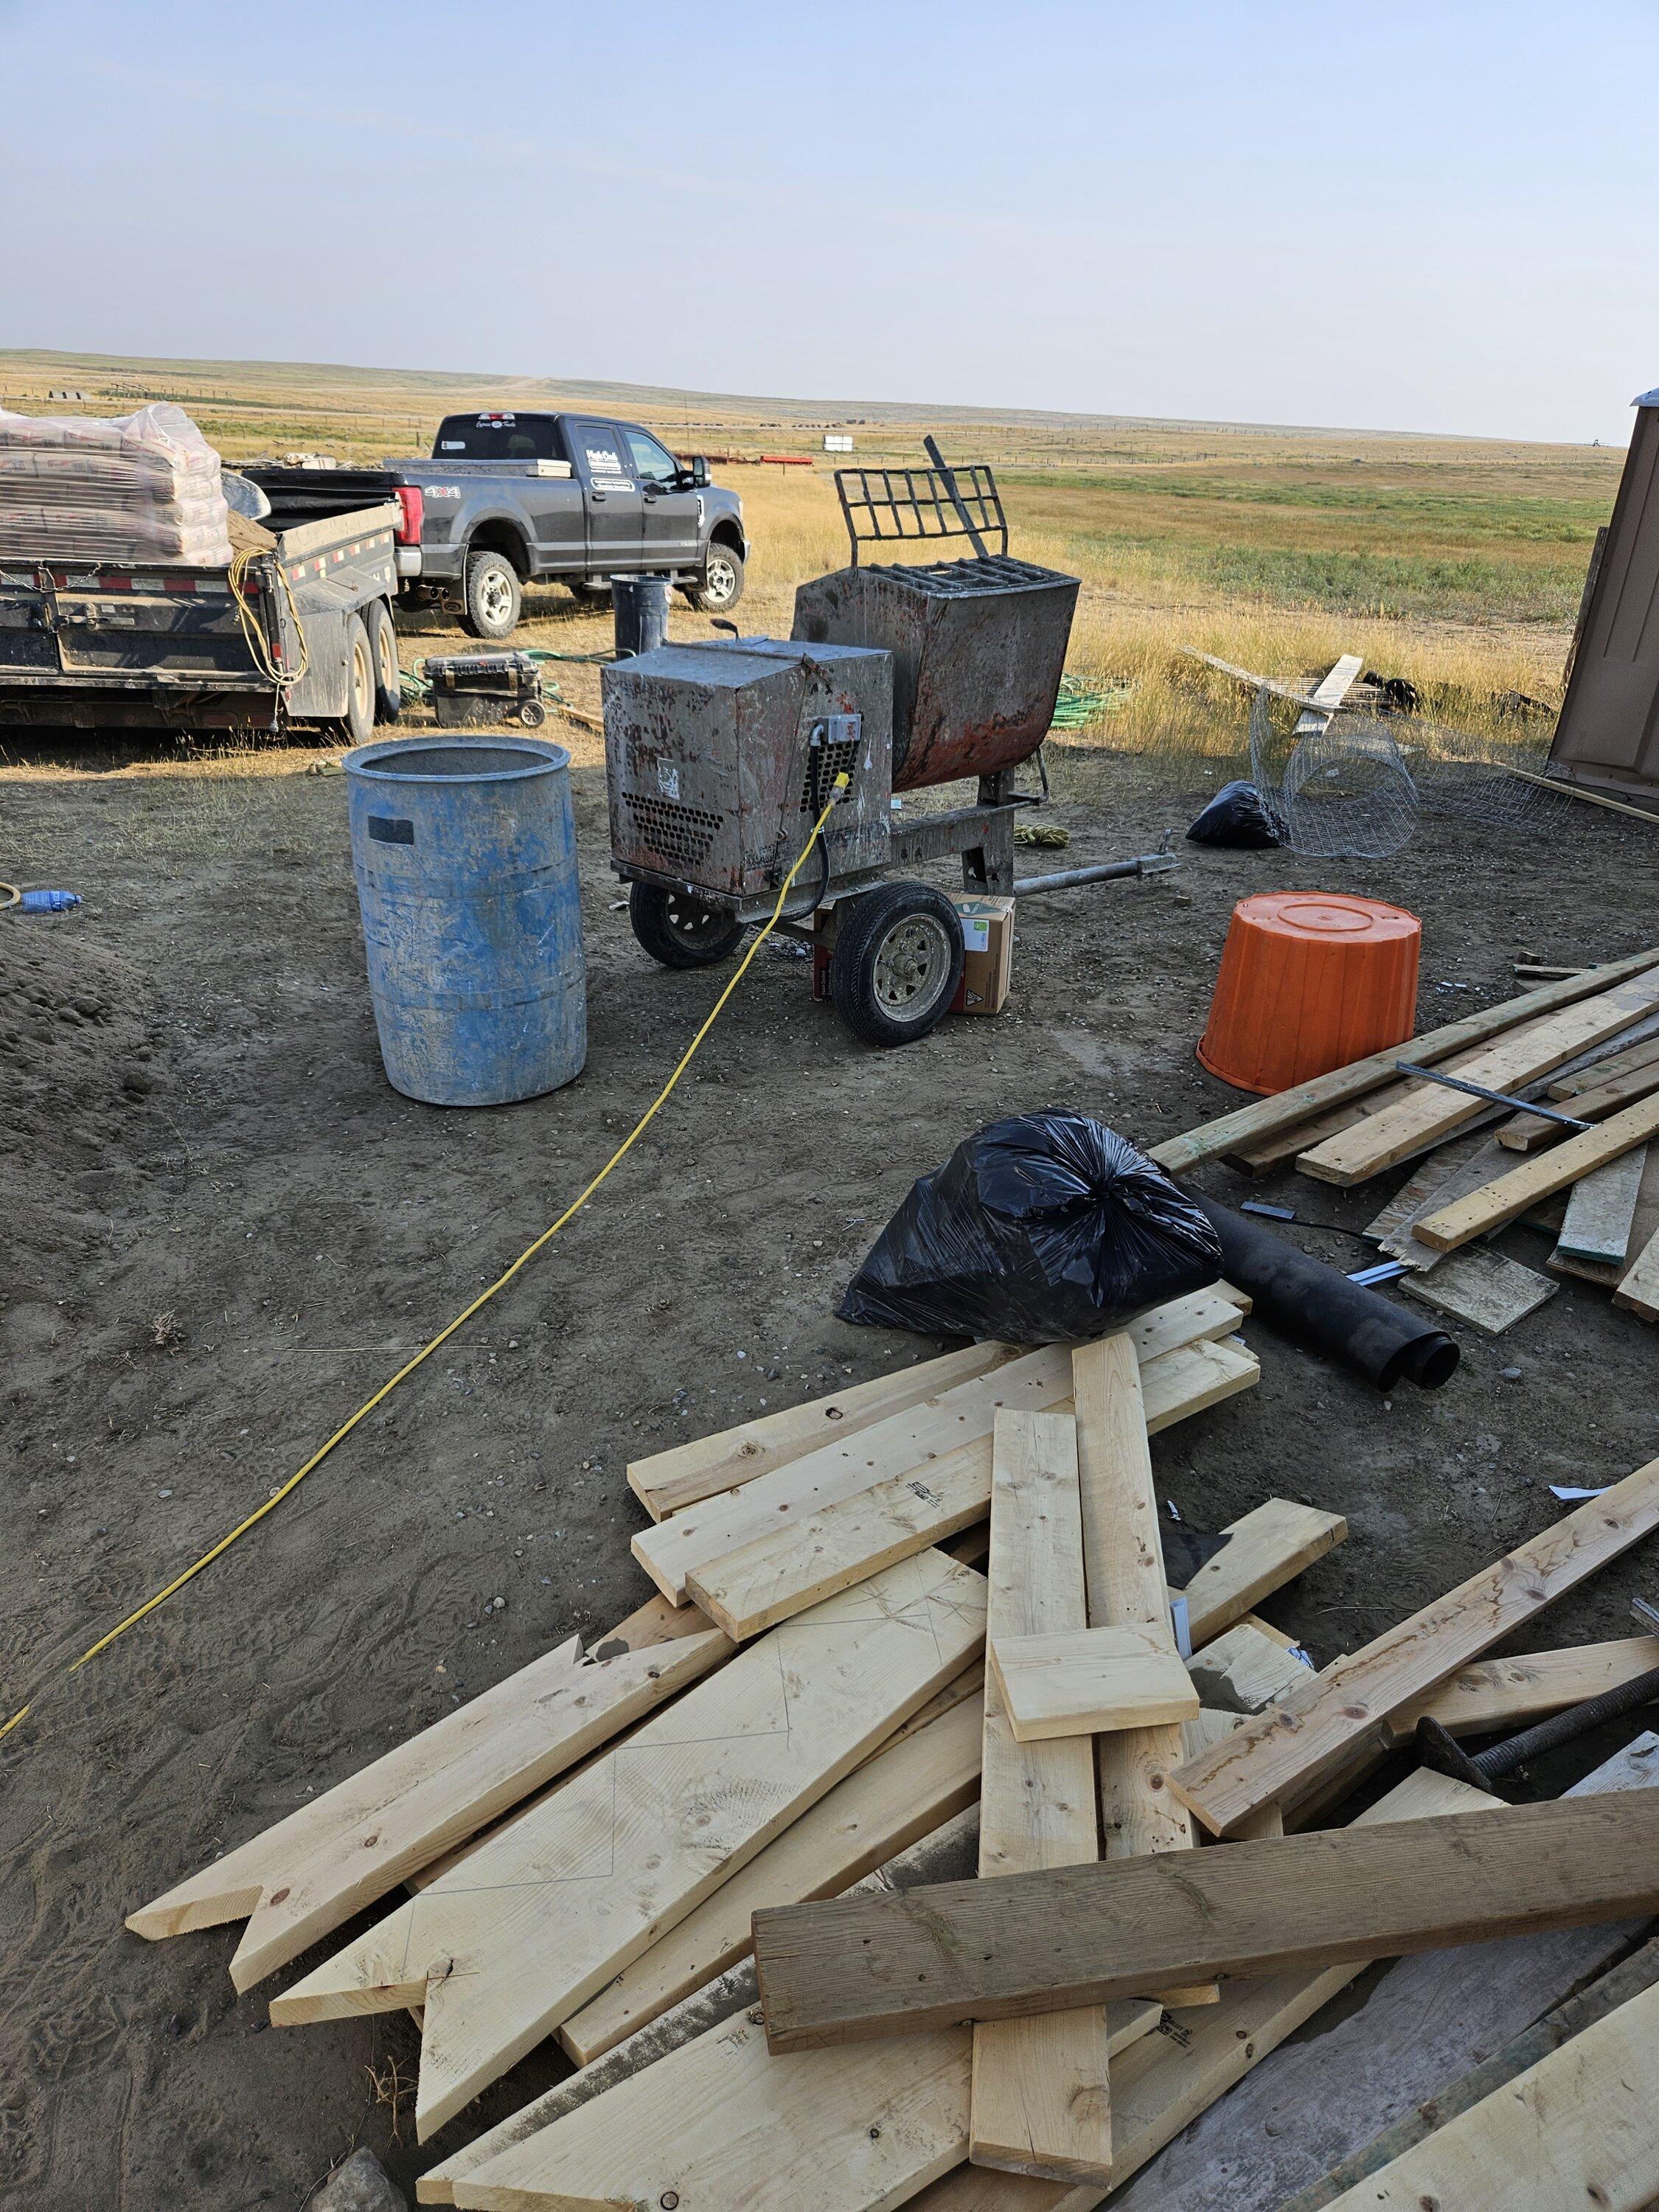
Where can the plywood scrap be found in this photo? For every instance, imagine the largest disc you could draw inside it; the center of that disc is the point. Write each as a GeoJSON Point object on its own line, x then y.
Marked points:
{"type": "Point", "coordinates": [1245, 1670]}
{"type": "Point", "coordinates": [1581, 2126]}
{"type": "Point", "coordinates": [299, 1880]}
{"type": "Point", "coordinates": [1245, 1125]}
{"type": "Point", "coordinates": [1090, 1683]}
{"type": "Point", "coordinates": [1483, 1288]}
{"type": "Point", "coordinates": [1601, 1210]}
{"type": "Point", "coordinates": [1040, 2103]}
{"type": "Point", "coordinates": [507, 1945]}
{"type": "Point", "coordinates": [1485, 1210]}
{"type": "Point", "coordinates": [768, 1580]}
{"type": "Point", "coordinates": [668, 1481]}
{"type": "Point", "coordinates": [1282, 1754]}
{"type": "Point", "coordinates": [1429, 1111]}
{"type": "Point", "coordinates": [852, 1969]}
{"type": "Point", "coordinates": [907, 1790]}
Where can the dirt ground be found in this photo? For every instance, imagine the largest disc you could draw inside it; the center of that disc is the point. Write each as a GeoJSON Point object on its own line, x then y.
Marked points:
{"type": "Point", "coordinates": [224, 1228]}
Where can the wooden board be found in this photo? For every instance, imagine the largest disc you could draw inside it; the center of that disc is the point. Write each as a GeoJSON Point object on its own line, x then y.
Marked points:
{"type": "Point", "coordinates": [1431, 1112]}
{"type": "Point", "coordinates": [1265, 1548]}
{"type": "Point", "coordinates": [510, 1943]}
{"type": "Point", "coordinates": [1123, 1559]}
{"type": "Point", "coordinates": [1282, 1754]}
{"type": "Point", "coordinates": [668, 1481]}
{"type": "Point", "coordinates": [900, 1445]}
{"type": "Point", "coordinates": [766, 1580]}
{"type": "Point", "coordinates": [1408, 2030]}
{"type": "Point", "coordinates": [1579, 2127]}
{"type": "Point", "coordinates": [1639, 1289]}
{"type": "Point", "coordinates": [1644, 1229]}
{"type": "Point", "coordinates": [1481, 1287]}
{"type": "Point", "coordinates": [1601, 1210]}
{"type": "Point", "coordinates": [308, 1875]}
{"type": "Point", "coordinates": [1245, 1670]}
{"type": "Point", "coordinates": [1617, 1065]}
{"type": "Point", "coordinates": [1530, 1132]}
{"type": "Point", "coordinates": [1245, 1125]}
{"type": "Point", "coordinates": [1509, 1693]}
{"type": "Point", "coordinates": [855, 1968]}
{"type": "Point", "coordinates": [1040, 2103]}
{"type": "Point", "coordinates": [1089, 1684]}
{"type": "Point", "coordinates": [1511, 1194]}
{"type": "Point", "coordinates": [906, 1790]}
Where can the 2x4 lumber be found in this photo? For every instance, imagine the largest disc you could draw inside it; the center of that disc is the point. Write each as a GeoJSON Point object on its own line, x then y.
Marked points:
{"type": "Point", "coordinates": [1601, 1210]}
{"type": "Point", "coordinates": [1639, 1289]}
{"type": "Point", "coordinates": [1040, 2103]}
{"type": "Point", "coordinates": [1265, 1548]}
{"type": "Point", "coordinates": [508, 1945]}
{"type": "Point", "coordinates": [1581, 2126]}
{"type": "Point", "coordinates": [668, 1481]}
{"type": "Point", "coordinates": [330, 1859]}
{"type": "Point", "coordinates": [1508, 1693]}
{"type": "Point", "coordinates": [1531, 1133]}
{"type": "Point", "coordinates": [1510, 1195]}
{"type": "Point", "coordinates": [1430, 1112]}
{"type": "Point", "coordinates": [899, 1444]}
{"type": "Point", "coordinates": [1610, 1070]}
{"type": "Point", "coordinates": [851, 1969]}
{"type": "Point", "coordinates": [1090, 1683]}
{"type": "Point", "coordinates": [1283, 1754]}
{"type": "Point", "coordinates": [1123, 1565]}
{"type": "Point", "coordinates": [1265, 1116]}
{"type": "Point", "coordinates": [768, 1580]}
{"type": "Point", "coordinates": [906, 1790]}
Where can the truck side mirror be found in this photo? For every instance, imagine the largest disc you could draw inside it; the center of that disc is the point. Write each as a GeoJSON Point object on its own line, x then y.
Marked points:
{"type": "Point", "coordinates": [700, 472]}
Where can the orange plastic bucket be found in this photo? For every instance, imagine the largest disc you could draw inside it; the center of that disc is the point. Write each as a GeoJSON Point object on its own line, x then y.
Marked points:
{"type": "Point", "coordinates": [1309, 981]}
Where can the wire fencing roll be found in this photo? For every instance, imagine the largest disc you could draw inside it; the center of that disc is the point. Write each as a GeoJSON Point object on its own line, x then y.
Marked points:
{"type": "Point", "coordinates": [1355, 786]}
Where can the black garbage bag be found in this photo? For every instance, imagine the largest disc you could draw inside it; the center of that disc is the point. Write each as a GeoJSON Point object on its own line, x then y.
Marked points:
{"type": "Point", "coordinates": [1042, 1229]}
{"type": "Point", "coordinates": [1236, 816]}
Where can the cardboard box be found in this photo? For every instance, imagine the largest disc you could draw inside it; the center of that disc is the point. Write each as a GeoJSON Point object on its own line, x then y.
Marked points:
{"type": "Point", "coordinates": [988, 937]}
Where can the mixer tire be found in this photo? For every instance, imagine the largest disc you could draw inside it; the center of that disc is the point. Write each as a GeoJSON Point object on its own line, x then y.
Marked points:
{"type": "Point", "coordinates": [897, 963]}
{"type": "Point", "coordinates": [681, 931]}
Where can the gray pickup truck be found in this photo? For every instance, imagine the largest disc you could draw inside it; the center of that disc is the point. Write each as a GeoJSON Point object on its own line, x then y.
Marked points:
{"type": "Point", "coordinates": [509, 497]}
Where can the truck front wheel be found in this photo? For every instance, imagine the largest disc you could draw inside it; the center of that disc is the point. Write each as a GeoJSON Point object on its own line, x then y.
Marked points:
{"type": "Point", "coordinates": [493, 596]}
{"type": "Point", "coordinates": [720, 586]}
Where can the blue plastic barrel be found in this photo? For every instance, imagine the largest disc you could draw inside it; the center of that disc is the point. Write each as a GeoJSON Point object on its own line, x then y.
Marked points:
{"type": "Point", "coordinates": [465, 853]}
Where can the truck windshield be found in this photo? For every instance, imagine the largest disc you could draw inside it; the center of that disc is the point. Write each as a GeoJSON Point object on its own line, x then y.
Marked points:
{"type": "Point", "coordinates": [497, 436]}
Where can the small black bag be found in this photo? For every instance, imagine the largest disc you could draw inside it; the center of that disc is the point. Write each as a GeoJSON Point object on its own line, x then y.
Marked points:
{"type": "Point", "coordinates": [1044, 1227]}
{"type": "Point", "coordinates": [1236, 816]}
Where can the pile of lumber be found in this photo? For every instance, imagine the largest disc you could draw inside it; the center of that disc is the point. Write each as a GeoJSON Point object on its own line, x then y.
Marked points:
{"type": "Point", "coordinates": [1585, 1045]}
{"type": "Point", "coordinates": [871, 1859]}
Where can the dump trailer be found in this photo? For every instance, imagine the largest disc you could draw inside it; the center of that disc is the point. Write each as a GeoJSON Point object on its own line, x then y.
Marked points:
{"type": "Point", "coordinates": [297, 632]}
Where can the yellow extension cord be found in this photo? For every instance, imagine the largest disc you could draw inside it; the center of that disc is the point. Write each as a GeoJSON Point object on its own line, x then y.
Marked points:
{"type": "Point", "coordinates": [483, 1296]}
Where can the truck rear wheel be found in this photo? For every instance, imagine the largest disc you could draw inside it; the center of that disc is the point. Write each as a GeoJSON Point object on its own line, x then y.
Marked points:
{"type": "Point", "coordinates": [720, 586]}
{"type": "Point", "coordinates": [680, 930]}
{"type": "Point", "coordinates": [360, 683]}
{"type": "Point", "coordinates": [383, 643]}
{"type": "Point", "coordinates": [493, 596]}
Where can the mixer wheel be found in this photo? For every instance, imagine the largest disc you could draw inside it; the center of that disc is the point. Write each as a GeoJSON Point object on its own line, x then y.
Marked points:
{"type": "Point", "coordinates": [681, 930]}
{"type": "Point", "coordinates": [897, 963]}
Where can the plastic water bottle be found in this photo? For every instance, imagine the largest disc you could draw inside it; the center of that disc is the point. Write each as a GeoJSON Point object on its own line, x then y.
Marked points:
{"type": "Point", "coordinates": [48, 901]}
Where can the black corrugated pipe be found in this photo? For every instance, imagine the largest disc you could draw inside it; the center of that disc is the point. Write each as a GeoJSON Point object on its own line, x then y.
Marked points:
{"type": "Point", "coordinates": [1318, 1308]}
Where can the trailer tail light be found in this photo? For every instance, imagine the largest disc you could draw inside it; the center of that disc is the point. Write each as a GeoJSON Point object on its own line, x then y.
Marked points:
{"type": "Point", "coordinates": [412, 500]}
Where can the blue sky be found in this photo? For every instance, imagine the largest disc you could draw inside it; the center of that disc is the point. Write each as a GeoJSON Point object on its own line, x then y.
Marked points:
{"type": "Point", "coordinates": [1395, 215]}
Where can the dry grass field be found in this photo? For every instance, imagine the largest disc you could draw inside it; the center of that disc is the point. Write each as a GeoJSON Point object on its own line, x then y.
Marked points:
{"type": "Point", "coordinates": [1456, 562]}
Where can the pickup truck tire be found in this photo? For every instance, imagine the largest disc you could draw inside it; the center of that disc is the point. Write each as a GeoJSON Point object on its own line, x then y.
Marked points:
{"type": "Point", "coordinates": [720, 586]}
{"type": "Point", "coordinates": [360, 683]}
{"type": "Point", "coordinates": [679, 931]}
{"type": "Point", "coordinates": [494, 596]}
{"type": "Point", "coordinates": [383, 644]}
{"type": "Point", "coordinates": [897, 963]}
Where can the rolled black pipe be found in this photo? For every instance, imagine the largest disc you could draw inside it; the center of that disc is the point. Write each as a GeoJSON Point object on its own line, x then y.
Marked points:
{"type": "Point", "coordinates": [1318, 1308]}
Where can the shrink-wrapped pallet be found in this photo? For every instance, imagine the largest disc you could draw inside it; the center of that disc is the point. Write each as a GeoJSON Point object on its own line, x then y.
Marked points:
{"type": "Point", "coordinates": [140, 487]}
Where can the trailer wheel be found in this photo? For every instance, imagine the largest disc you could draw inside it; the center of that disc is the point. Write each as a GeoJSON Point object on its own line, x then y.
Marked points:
{"type": "Point", "coordinates": [680, 930]}
{"type": "Point", "coordinates": [721, 585]}
{"type": "Point", "coordinates": [383, 644]}
{"type": "Point", "coordinates": [360, 683]}
{"type": "Point", "coordinates": [494, 596]}
{"type": "Point", "coordinates": [897, 963]}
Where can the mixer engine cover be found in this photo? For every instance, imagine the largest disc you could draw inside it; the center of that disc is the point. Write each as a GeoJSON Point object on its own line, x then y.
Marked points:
{"type": "Point", "coordinates": [978, 646]}
{"type": "Point", "coordinates": [719, 757]}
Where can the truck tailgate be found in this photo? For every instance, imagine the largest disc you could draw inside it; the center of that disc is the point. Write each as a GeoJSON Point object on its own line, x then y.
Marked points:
{"type": "Point", "coordinates": [177, 625]}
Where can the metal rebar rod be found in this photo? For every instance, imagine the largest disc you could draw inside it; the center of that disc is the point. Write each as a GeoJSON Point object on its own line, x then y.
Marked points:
{"type": "Point", "coordinates": [1493, 1098]}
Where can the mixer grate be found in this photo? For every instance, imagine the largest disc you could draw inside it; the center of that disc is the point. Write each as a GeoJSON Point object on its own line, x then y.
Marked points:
{"type": "Point", "coordinates": [676, 832]}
